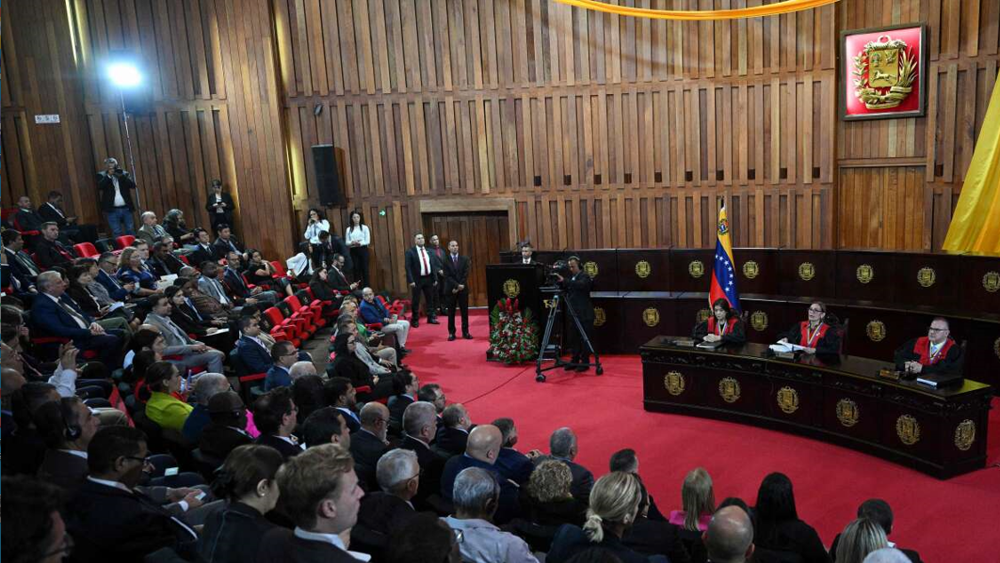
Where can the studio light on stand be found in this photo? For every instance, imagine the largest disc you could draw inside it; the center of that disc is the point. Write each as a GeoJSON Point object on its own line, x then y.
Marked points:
{"type": "Point", "coordinates": [124, 73]}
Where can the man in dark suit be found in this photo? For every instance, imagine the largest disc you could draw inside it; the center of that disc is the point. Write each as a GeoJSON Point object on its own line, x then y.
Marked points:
{"type": "Point", "coordinates": [880, 512]}
{"type": "Point", "coordinates": [483, 448]}
{"type": "Point", "coordinates": [251, 349]}
{"type": "Point", "coordinates": [385, 511]}
{"type": "Point", "coordinates": [440, 297]}
{"type": "Point", "coordinates": [342, 395]}
{"type": "Point", "coordinates": [226, 431]}
{"type": "Point", "coordinates": [56, 314]}
{"type": "Point", "coordinates": [237, 287]}
{"type": "Point", "coordinates": [276, 416]}
{"type": "Point", "coordinates": [578, 288]}
{"type": "Point", "coordinates": [26, 218]}
{"type": "Point", "coordinates": [67, 426]}
{"type": "Point", "coordinates": [219, 206]}
{"type": "Point", "coordinates": [19, 261]}
{"type": "Point", "coordinates": [527, 254]}
{"type": "Point", "coordinates": [321, 507]}
{"type": "Point", "coordinates": [203, 251]}
{"type": "Point", "coordinates": [115, 187]}
{"type": "Point", "coordinates": [453, 437]}
{"type": "Point", "coordinates": [370, 442]}
{"type": "Point", "coordinates": [337, 277]}
{"type": "Point", "coordinates": [456, 289]}
{"type": "Point", "coordinates": [108, 518]}
{"type": "Point", "coordinates": [52, 211]}
{"type": "Point", "coordinates": [421, 268]}
{"type": "Point", "coordinates": [49, 251]}
{"type": "Point", "coordinates": [419, 424]}
{"type": "Point", "coordinates": [226, 243]}
{"type": "Point", "coordinates": [108, 263]}
{"type": "Point", "coordinates": [284, 356]}
{"type": "Point", "coordinates": [326, 426]}
{"type": "Point", "coordinates": [563, 446]}
{"type": "Point", "coordinates": [511, 463]}
{"type": "Point", "coordinates": [163, 262]}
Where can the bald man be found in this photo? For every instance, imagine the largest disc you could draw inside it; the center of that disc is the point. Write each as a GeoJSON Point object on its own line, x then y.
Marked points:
{"type": "Point", "coordinates": [729, 537]}
{"type": "Point", "coordinates": [370, 443]}
{"type": "Point", "coordinates": [482, 451]}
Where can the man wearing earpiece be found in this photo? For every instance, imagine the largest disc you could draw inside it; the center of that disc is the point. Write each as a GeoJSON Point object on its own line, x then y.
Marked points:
{"type": "Point", "coordinates": [578, 297]}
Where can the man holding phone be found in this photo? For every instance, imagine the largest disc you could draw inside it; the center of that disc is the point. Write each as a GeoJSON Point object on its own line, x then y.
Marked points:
{"type": "Point", "coordinates": [114, 187]}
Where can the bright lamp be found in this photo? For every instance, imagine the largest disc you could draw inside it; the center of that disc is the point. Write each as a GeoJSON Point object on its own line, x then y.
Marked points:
{"type": "Point", "coordinates": [124, 75]}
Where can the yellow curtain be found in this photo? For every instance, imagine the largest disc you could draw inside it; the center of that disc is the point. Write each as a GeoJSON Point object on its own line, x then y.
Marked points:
{"type": "Point", "coordinates": [975, 225]}
{"type": "Point", "coordinates": [751, 12]}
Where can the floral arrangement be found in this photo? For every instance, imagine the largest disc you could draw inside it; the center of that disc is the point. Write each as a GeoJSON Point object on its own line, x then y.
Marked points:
{"type": "Point", "coordinates": [514, 336]}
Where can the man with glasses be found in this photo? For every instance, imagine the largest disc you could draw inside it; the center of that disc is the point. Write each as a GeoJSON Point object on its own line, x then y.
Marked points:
{"type": "Point", "coordinates": [371, 442]}
{"type": "Point", "coordinates": [33, 528]}
{"type": "Point", "coordinates": [932, 354]}
{"type": "Point", "coordinates": [284, 355]}
{"type": "Point", "coordinates": [108, 518]}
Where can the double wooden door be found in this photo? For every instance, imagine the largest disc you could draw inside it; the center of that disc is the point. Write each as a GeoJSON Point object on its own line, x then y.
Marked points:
{"type": "Point", "coordinates": [481, 236]}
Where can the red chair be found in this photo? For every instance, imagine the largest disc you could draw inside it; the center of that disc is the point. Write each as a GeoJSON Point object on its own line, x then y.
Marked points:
{"type": "Point", "coordinates": [315, 314]}
{"type": "Point", "coordinates": [86, 250]}
{"type": "Point", "coordinates": [282, 328]}
{"type": "Point", "coordinates": [282, 272]}
{"type": "Point", "coordinates": [185, 259]}
{"type": "Point", "coordinates": [298, 311]}
{"type": "Point", "coordinates": [124, 241]}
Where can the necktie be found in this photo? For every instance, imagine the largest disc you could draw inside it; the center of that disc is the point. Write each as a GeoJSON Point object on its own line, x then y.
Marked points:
{"type": "Point", "coordinates": [424, 263]}
{"type": "Point", "coordinates": [218, 289]}
{"type": "Point", "coordinates": [454, 260]}
{"type": "Point", "coordinates": [232, 246]}
{"type": "Point", "coordinates": [71, 311]}
{"type": "Point", "coordinates": [27, 263]}
{"type": "Point", "coordinates": [193, 308]}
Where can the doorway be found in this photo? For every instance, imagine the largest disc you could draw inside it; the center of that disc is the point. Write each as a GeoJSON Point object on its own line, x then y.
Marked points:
{"type": "Point", "coordinates": [480, 236]}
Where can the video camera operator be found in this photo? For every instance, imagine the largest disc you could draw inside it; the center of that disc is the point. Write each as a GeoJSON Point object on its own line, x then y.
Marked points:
{"type": "Point", "coordinates": [577, 287]}
{"type": "Point", "coordinates": [114, 186]}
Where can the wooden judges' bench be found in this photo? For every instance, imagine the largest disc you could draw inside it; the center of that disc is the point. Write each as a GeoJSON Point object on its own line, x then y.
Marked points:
{"type": "Point", "coordinates": [839, 400]}
{"type": "Point", "coordinates": [889, 297]}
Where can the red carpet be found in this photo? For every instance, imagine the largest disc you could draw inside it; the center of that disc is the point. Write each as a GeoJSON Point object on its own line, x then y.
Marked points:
{"type": "Point", "coordinates": [951, 520]}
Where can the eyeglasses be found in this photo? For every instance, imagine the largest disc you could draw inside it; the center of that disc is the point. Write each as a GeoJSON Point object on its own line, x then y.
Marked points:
{"type": "Point", "coordinates": [145, 460]}
{"type": "Point", "coordinates": [936, 329]}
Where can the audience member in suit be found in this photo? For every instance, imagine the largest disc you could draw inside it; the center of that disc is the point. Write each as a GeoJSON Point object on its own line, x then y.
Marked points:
{"type": "Point", "coordinates": [49, 251]}
{"type": "Point", "coordinates": [477, 496]}
{"type": "Point", "coordinates": [117, 290]}
{"type": "Point", "coordinates": [372, 311]}
{"type": "Point", "coordinates": [320, 492]}
{"type": "Point", "coordinates": [614, 505]}
{"type": "Point", "coordinates": [251, 349]}
{"type": "Point", "coordinates": [34, 529]}
{"type": "Point", "coordinates": [778, 529]}
{"type": "Point", "coordinates": [114, 187]}
{"type": "Point", "coordinates": [626, 460]}
{"type": "Point", "coordinates": [203, 249]}
{"type": "Point", "coordinates": [348, 363]}
{"type": "Point", "coordinates": [109, 519]}
{"type": "Point", "coordinates": [248, 482]}
{"type": "Point", "coordinates": [220, 206]}
{"type": "Point", "coordinates": [189, 320]}
{"type": "Point", "coordinates": [284, 355]}
{"type": "Point", "coordinates": [57, 315]}
{"type": "Point", "coordinates": [276, 416]}
{"type": "Point", "coordinates": [12, 383]}
{"type": "Point", "coordinates": [337, 277]}
{"type": "Point", "coordinates": [52, 210]}
{"type": "Point", "coordinates": [67, 426]}
{"type": "Point", "coordinates": [19, 261]}
{"type": "Point", "coordinates": [232, 278]}
{"type": "Point", "coordinates": [150, 231]}
{"type": "Point", "coordinates": [654, 537]}
{"type": "Point", "coordinates": [209, 284]}
{"type": "Point", "coordinates": [421, 268]}
{"type": "Point", "coordinates": [880, 512]}
{"type": "Point", "coordinates": [389, 508]}
{"type": "Point", "coordinates": [564, 447]}
{"type": "Point", "coordinates": [320, 286]}
{"type": "Point", "coordinates": [456, 289]}
{"type": "Point", "coordinates": [370, 443]}
{"type": "Point", "coordinates": [207, 386]}
{"type": "Point", "coordinates": [482, 450]}
{"type": "Point", "coordinates": [26, 218]}
{"type": "Point", "coordinates": [341, 394]}
{"type": "Point", "coordinates": [419, 425]}
{"type": "Point", "coordinates": [163, 262]}
{"type": "Point", "coordinates": [729, 536]}
{"type": "Point", "coordinates": [227, 429]}
{"type": "Point", "coordinates": [547, 504]}
{"type": "Point", "coordinates": [513, 464]}
{"type": "Point", "coordinates": [192, 352]}
{"type": "Point", "coordinates": [405, 388]}
{"type": "Point", "coordinates": [451, 439]}
{"type": "Point", "coordinates": [226, 243]}
{"type": "Point", "coordinates": [433, 394]}
{"type": "Point", "coordinates": [326, 426]}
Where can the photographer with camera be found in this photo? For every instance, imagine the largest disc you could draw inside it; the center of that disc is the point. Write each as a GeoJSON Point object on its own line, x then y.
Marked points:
{"type": "Point", "coordinates": [577, 286]}
{"type": "Point", "coordinates": [114, 187]}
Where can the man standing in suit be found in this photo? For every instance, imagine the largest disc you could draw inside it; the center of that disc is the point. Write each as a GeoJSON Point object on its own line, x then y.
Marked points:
{"type": "Point", "coordinates": [578, 288]}
{"type": "Point", "coordinates": [527, 254]}
{"type": "Point", "coordinates": [370, 442]}
{"type": "Point", "coordinates": [421, 274]}
{"type": "Point", "coordinates": [276, 416]}
{"type": "Point", "coordinates": [440, 297]}
{"type": "Point", "coordinates": [52, 210]}
{"type": "Point", "coordinates": [192, 352]}
{"type": "Point", "coordinates": [563, 446]}
{"type": "Point", "coordinates": [55, 314]}
{"type": "Point", "coordinates": [49, 251]}
{"type": "Point", "coordinates": [456, 289]}
{"type": "Point", "coordinates": [115, 187]}
{"type": "Point", "coordinates": [452, 438]}
{"type": "Point", "coordinates": [108, 518]}
{"type": "Point", "coordinates": [320, 493]}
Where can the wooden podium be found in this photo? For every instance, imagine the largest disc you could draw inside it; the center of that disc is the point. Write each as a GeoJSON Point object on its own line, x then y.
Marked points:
{"type": "Point", "coordinates": [520, 282]}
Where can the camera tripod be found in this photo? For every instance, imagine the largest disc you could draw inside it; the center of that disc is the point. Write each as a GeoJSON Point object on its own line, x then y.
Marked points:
{"type": "Point", "coordinates": [557, 299]}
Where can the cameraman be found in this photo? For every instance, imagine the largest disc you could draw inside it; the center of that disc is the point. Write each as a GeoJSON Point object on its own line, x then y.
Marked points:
{"type": "Point", "coordinates": [115, 187]}
{"type": "Point", "coordinates": [578, 298]}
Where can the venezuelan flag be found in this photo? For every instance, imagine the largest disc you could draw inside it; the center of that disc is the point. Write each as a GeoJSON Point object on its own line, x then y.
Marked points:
{"type": "Point", "coordinates": [724, 274]}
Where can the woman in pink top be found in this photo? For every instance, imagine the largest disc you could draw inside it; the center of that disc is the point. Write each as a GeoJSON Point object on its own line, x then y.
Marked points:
{"type": "Point", "coordinates": [698, 499]}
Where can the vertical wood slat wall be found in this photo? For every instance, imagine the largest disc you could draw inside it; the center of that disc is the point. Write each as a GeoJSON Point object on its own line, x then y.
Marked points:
{"type": "Point", "coordinates": [604, 131]}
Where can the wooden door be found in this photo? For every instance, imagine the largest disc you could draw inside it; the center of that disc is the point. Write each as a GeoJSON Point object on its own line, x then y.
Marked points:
{"type": "Point", "coordinates": [480, 236]}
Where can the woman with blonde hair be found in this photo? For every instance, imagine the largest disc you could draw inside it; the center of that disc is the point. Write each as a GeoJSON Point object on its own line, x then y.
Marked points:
{"type": "Point", "coordinates": [614, 506]}
{"type": "Point", "coordinates": [548, 503]}
{"type": "Point", "coordinates": [698, 500]}
{"type": "Point", "coordinates": [860, 538]}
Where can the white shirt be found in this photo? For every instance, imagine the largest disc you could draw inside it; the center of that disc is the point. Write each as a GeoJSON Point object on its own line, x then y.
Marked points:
{"type": "Point", "coordinates": [313, 230]}
{"type": "Point", "coordinates": [64, 381]}
{"type": "Point", "coordinates": [360, 235]}
{"type": "Point", "coordinates": [106, 483]}
{"type": "Point", "coordinates": [56, 209]}
{"type": "Point", "coordinates": [77, 453]}
{"type": "Point", "coordinates": [79, 320]}
{"type": "Point", "coordinates": [425, 261]}
{"type": "Point", "coordinates": [119, 200]}
{"type": "Point", "coordinates": [332, 539]}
